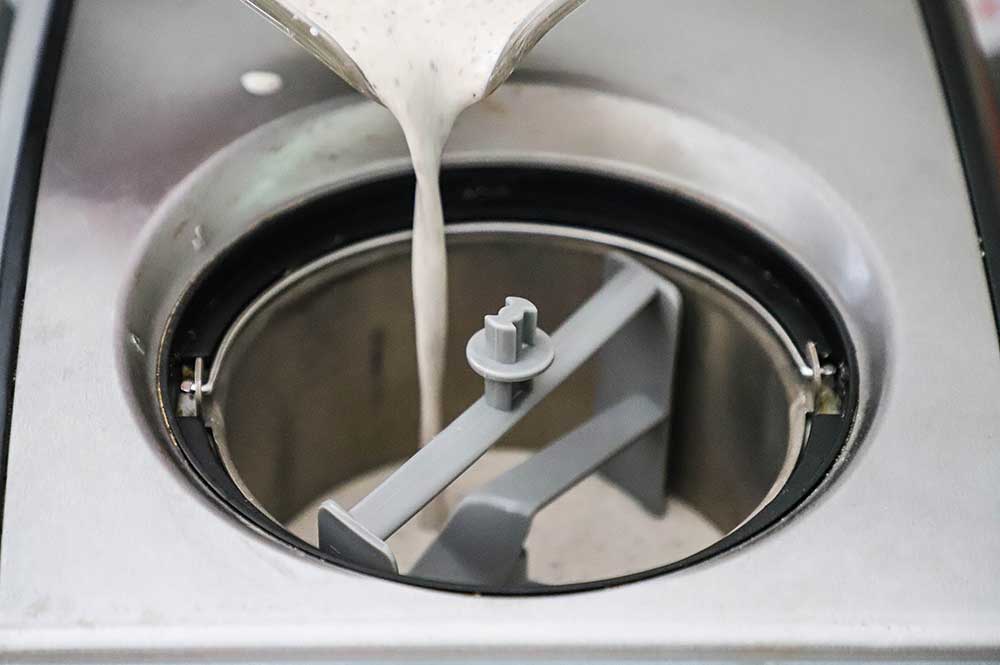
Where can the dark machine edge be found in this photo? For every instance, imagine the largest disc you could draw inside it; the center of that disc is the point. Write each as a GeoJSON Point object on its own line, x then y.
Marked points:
{"type": "Point", "coordinates": [20, 217]}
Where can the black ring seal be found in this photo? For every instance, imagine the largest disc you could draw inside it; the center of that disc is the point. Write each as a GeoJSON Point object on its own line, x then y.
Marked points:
{"type": "Point", "coordinates": [525, 194]}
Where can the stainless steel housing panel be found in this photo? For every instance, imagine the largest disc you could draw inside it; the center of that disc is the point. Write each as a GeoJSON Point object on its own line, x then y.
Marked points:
{"type": "Point", "coordinates": [109, 553]}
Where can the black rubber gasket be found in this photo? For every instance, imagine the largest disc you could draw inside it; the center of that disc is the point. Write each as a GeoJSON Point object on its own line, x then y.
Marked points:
{"type": "Point", "coordinates": [21, 218]}
{"type": "Point", "coordinates": [975, 116]}
{"type": "Point", "coordinates": [537, 195]}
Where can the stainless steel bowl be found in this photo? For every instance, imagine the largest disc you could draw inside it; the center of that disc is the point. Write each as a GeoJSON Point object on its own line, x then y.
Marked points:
{"type": "Point", "coordinates": [313, 402]}
{"type": "Point", "coordinates": [315, 386]}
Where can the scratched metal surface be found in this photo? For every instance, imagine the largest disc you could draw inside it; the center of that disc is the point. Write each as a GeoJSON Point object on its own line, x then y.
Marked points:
{"type": "Point", "coordinates": [108, 552]}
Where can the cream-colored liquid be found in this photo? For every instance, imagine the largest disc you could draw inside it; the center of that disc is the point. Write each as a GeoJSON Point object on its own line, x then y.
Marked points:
{"type": "Point", "coordinates": [426, 61]}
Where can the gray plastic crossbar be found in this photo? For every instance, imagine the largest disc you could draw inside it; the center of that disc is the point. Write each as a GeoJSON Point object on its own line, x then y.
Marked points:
{"type": "Point", "coordinates": [483, 539]}
{"type": "Point", "coordinates": [359, 534]}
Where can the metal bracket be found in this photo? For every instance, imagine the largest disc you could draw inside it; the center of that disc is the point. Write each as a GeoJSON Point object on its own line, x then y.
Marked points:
{"type": "Point", "coordinates": [190, 402]}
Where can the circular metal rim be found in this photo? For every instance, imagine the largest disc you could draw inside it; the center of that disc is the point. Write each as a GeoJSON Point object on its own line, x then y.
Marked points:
{"type": "Point", "coordinates": [752, 528]}
{"type": "Point", "coordinates": [802, 405]}
{"type": "Point", "coordinates": [759, 187]}
{"type": "Point", "coordinates": [596, 237]}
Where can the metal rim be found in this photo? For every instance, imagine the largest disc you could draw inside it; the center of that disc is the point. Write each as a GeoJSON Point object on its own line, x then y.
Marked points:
{"type": "Point", "coordinates": [784, 500]}
{"type": "Point", "coordinates": [800, 407]}
{"type": "Point", "coordinates": [597, 237]}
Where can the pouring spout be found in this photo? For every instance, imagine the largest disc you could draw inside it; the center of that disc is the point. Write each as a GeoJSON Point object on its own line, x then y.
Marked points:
{"type": "Point", "coordinates": [526, 35]}
{"type": "Point", "coordinates": [318, 42]}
